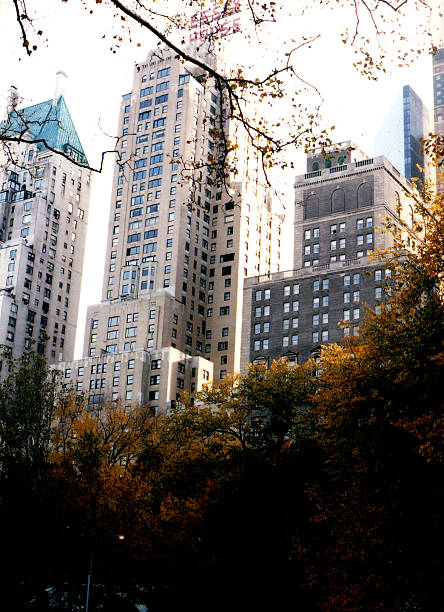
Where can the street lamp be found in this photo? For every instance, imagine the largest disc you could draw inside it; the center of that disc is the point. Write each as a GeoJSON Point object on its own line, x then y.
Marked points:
{"type": "Point", "coordinates": [91, 562]}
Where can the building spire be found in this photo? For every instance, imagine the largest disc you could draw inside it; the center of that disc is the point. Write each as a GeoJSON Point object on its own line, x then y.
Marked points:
{"type": "Point", "coordinates": [12, 100]}
{"type": "Point", "coordinates": [59, 86]}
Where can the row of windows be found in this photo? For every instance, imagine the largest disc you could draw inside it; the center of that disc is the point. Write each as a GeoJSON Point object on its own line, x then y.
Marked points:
{"type": "Point", "coordinates": [100, 368]}
{"type": "Point", "coordinates": [112, 348]}
{"type": "Point", "coordinates": [337, 244]}
{"type": "Point", "coordinates": [317, 303]}
{"type": "Point", "coordinates": [318, 285]}
{"type": "Point", "coordinates": [338, 228]}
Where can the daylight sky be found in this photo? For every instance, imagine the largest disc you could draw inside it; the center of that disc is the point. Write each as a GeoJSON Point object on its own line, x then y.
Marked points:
{"type": "Point", "coordinates": [79, 44]}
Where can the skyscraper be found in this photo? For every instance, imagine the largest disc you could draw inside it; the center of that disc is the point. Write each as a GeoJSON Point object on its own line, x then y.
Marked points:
{"type": "Point", "coordinates": [44, 202]}
{"type": "Point", "coordinates": [181, 239]}
{"type": "Point", "coordinates": [399, 137]}
{"type": "Point", "coordinates": [438, 101]}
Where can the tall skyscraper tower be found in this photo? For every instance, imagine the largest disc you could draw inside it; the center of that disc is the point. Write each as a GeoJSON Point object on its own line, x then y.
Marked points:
{"type": "Point", "coordinates": [438, 101]}
{"type": "Point", "coordinates": [181, 239]}
{"type": "Point", "coordinates": [44, 200]}
{"type": "Point", "coordinates": [399, 137]}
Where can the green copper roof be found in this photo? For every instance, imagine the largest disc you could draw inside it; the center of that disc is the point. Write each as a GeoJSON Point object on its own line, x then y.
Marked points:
{"type": "Point", "coordinates": [52, 124]}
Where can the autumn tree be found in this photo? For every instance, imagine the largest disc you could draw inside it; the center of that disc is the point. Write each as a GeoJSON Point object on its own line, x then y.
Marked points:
{"type": "Point", "coordinates": [379, 412]}
{"type": "Point", "coordinates": [258, 410]}
{"type": "Point", "coordinates": [243, 454]}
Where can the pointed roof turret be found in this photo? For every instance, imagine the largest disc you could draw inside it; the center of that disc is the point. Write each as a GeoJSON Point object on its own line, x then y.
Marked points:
{"type": "Point", "coordinates": [48, 122]}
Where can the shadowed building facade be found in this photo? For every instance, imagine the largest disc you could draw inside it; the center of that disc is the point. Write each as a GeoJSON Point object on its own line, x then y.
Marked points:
{"type": "Point", "coordinates": [340, 203]}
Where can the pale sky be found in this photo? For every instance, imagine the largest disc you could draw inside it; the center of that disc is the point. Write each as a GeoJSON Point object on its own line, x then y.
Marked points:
{"type": "Point", "coordinates": [98, 78]}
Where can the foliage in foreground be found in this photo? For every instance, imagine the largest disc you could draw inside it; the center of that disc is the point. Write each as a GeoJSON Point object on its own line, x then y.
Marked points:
{"type": "Point", "coordinates": [279, 485]}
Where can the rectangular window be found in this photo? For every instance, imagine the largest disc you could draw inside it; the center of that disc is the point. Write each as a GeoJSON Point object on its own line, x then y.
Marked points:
{"type": "Point", "coordinates": [154, 183]}
{"type": "Point", "coordinates": [163, 72]}
{"type": "Point", "coordinates": [146, 91]}
{"type": "Point", "coordinates": [162, 86]}
{"type": "Point", "coordinates": [156, 159]}
{"type": "Point", "coordinates": [161, 99]}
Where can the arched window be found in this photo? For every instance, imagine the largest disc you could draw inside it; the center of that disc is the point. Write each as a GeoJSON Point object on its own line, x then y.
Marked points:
{"type": "Point", "coordinates": [365, 195]}
{"type": "Point", "coordinates": [312, 207]}
{"type": "Point", "coordinates": [338, 201]}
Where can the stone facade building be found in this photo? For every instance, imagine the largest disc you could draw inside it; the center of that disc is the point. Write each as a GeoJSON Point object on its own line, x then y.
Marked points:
{"type": "Point", "coordinates": [181, 240]}
{"type": "Point", "coordinates": [44, 202]}
{"type": "Point", "coordinates": [340, 207]}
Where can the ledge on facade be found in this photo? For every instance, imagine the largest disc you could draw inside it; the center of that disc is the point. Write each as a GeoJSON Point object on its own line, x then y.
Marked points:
{"type": "Point", "coordinates": [306, 272]}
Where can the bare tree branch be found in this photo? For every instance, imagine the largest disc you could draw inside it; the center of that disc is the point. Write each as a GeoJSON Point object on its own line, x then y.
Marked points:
{"type": "Point", "coordinates": [21, 16]}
